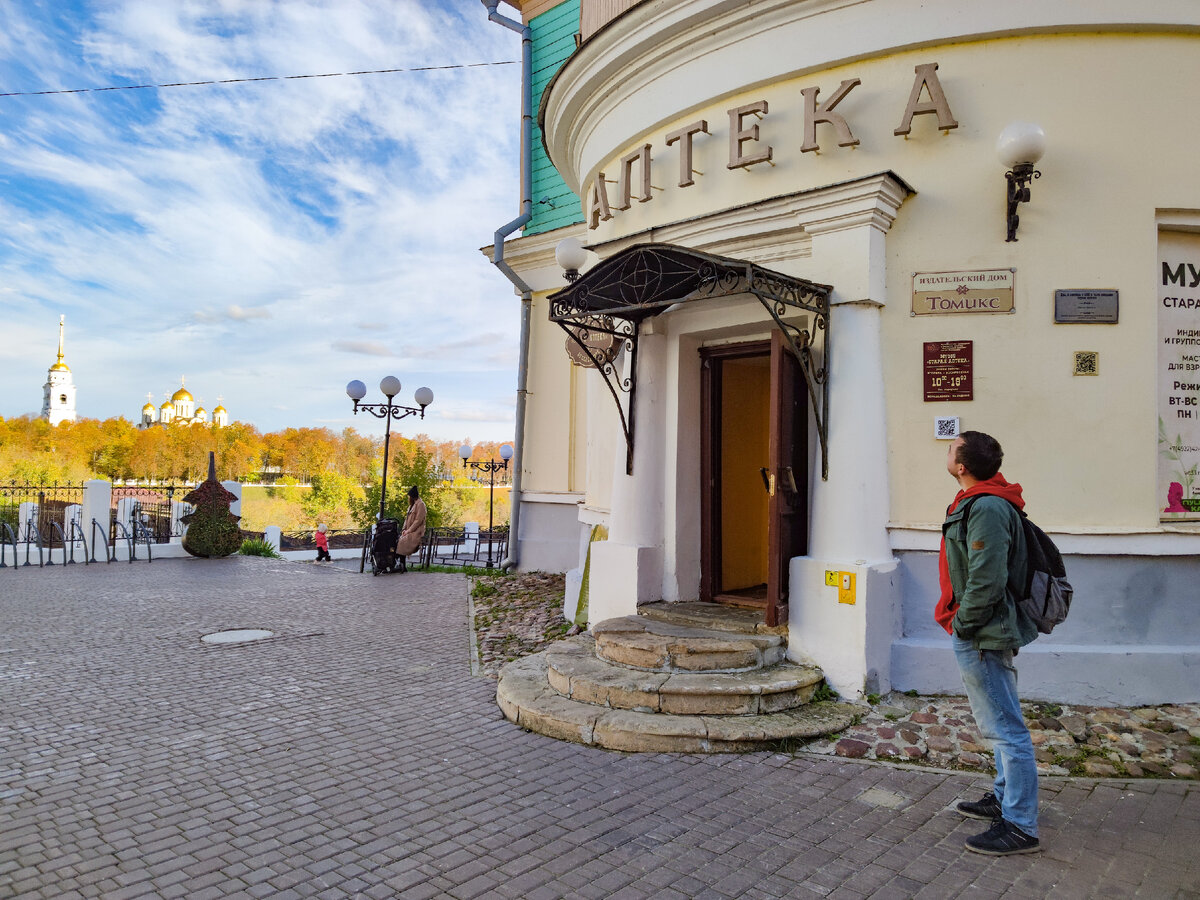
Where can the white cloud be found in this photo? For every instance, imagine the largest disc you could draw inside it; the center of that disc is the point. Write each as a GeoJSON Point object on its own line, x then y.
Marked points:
{"type": "Point", "coordinates": [474, 415]}
{"type": "Point", "coordinates": [366, 348]}
{"type": "Point", "coordinates": [329, 206]}
{"type": "Point", "coordinates": [233, 313]}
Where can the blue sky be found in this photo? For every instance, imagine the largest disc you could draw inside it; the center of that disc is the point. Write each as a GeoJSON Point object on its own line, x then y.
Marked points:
{"type": "Point", "coordinates": [269, 241]}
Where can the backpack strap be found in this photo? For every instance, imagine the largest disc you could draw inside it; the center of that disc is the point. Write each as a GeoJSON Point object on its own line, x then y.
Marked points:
{"type": "Point", "coordinates": [966, 508]}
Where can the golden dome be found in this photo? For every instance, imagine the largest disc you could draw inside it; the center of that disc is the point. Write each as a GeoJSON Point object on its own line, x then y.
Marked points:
{"type": "Point", "coordinates": [219, 408]}
{"type": "Point", "coordinates": [149, 407]}
{"type": "Point", "coordinates": [166, 404]}
{"type": "Point", "coordinates": [180, 394]}
{"type": "Point", "coordinates": [199, 411]}
{"type": "Point", "coordinates": [59, 365]}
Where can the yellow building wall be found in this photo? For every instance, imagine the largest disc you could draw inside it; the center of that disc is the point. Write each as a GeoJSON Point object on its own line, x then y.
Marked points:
{"type": "Point", "coordinates": [555, 424]}
{"type": "Point", "coordinates": [1122, 143]}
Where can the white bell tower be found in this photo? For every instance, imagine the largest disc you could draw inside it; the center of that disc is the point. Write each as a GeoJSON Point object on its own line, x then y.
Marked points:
{"type": "Point", "coordinates": [58, 393]}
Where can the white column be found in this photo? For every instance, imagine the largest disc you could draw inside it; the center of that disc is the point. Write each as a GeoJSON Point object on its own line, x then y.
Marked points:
{"type": "Point", "coordinates": [27, 513]}
{"type": "Point", "coordinates": [851, 641]}
{"type": "Point", "coordinates": [273, 535]}
{"type": "Point", "coordinates": [626, 569]}
{"type": "Point", "coordinates": [852, 506]}
{"type": "Point", "coordinates": [97, 501]}
{"type": "Point", "coordinates": [125, 507]}
{"type": "Point", "coordinates": [235, 488]}
{"type": "Point", "coordinates": [179, 509]}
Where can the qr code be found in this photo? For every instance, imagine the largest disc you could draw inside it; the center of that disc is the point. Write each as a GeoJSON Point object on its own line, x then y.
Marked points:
{"type": "Point", "coordinates": [1087, 362]}
{"type": "Point", "coordinates": [945, 427]}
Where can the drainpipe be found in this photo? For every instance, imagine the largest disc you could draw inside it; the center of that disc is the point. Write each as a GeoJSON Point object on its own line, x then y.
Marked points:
{"type": "Point", "coordinates": [518, 283]}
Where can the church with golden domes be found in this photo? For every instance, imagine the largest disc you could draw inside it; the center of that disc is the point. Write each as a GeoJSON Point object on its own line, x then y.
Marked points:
{"type": "Point", "coordinates": [181, 409]}
{"type": "Point", "coordinates": [58, 393]}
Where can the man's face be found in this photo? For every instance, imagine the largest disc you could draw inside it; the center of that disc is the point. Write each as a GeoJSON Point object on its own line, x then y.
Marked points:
{"type": "Point", "coordinates": [953, 466]}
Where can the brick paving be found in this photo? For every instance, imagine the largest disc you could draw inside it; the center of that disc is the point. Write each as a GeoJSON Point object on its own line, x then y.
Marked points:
{"type": "Point", "coordinates": [354, 755]}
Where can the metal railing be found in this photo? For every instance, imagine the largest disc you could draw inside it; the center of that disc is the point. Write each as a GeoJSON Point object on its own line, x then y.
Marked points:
{"type": "Point", "coordinates": [8, 538]}
{"type": "Point", "coordinates": [460, 547]}
{"type": "Point", "coordinates": [339, 539]}
{"type": "Point", "coordinates": [149, 511]}
{"type": "Point", "coordinates": [29, 509]}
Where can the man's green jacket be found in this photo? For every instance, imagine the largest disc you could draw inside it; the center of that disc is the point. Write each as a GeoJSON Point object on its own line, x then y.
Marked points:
{"type": "Point", "coordinates": [988, 565]}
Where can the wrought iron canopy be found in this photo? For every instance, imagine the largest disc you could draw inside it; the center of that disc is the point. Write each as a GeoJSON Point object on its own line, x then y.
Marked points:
{"type": "Point", "coordinates": [647, 279]}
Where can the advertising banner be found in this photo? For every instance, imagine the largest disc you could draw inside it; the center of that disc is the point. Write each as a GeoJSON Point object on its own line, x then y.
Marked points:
{"type": "Point", "coordinates": [1178, 375]}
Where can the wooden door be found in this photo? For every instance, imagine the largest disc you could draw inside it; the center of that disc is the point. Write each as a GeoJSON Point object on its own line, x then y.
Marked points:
{"type": "Point", "coordinates": [787, 478]}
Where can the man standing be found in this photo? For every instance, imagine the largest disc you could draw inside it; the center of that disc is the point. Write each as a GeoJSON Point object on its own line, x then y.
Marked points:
{"type": "Point", "coordinates": [983, 568]}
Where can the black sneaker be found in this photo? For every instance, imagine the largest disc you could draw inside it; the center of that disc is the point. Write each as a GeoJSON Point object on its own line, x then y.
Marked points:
{"type": "Point", "coordinates": [986, 807]}
{"type": "Point", "coordinates": [1003, 839]}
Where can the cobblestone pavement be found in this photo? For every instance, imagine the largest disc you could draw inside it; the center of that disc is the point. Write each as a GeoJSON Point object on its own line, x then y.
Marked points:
{"type": "Point", "coordinates": [353, 755]}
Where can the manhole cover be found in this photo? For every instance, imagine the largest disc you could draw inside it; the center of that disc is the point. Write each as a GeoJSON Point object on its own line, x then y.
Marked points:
{"type": "Point", "coordinates": [237, 636]}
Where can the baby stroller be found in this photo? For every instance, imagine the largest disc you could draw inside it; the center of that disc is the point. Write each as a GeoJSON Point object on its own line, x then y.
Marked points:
{"type": "Point", "coordinates": [383, 546]}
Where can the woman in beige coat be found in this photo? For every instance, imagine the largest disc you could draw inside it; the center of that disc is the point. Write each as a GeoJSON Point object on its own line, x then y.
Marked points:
{"type": "Point", "coordinates": [414, 528]}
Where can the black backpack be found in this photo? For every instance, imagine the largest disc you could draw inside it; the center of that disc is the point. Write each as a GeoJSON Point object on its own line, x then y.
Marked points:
{"type": "Point", "coordinates": [1047, 598]}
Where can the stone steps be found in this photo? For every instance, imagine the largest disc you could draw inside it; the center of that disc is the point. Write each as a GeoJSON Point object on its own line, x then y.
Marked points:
{"type": "Point", "coordinates": [711, 615]}
{"type": "Point", "coordinates": [576, 671]}
{"type": "Point", "coordinates": [654, 645]}
{"type": "Point", "coordinates": [690, 677]}
{"type": "Point", "coordinates": [527, 699]}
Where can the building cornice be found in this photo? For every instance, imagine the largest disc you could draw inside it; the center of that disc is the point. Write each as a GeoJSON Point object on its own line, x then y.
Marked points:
{"type": "Point", "coordinates": [780, 228]}
{"type": "Point", "coordinates": [643, 61]}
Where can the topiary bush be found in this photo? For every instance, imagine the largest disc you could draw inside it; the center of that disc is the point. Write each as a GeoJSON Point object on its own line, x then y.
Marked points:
{"type": "Point", "coordinates": [212, 530]}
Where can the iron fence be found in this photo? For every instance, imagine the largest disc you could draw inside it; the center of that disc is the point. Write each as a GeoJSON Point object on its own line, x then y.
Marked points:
{"type": "Point", "coordinates": [460, 547]}
{"type": "Point", "coordinates": [148, 514]}
{"type": "Point", "coordinates": [40, 513]}
{"type": "Point", "coordinates": [339, 539]}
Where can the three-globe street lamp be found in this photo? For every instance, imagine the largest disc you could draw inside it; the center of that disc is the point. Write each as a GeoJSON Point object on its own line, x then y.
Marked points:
{"type": "Point", "coordinates": [390, 386]}
{"type": "Point", "coordinates": [490, 466]}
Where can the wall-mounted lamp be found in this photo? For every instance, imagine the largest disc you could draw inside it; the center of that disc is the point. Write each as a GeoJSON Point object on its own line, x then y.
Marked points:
{"type": "Point", "coordinates": [1020, 146]}
{"type": "Point", "coordinates": [571, 257]}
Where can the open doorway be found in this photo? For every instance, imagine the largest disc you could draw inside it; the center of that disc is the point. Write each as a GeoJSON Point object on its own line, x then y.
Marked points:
{"type": "Point", "coordinates": [754, 497]}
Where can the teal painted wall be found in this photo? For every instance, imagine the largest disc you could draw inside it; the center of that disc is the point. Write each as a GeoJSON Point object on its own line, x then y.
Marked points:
{"type": "Point", "coordinates": [553, 34]}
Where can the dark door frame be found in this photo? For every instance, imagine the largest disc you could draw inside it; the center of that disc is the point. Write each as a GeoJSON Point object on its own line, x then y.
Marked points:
{"type": "Point", "coordinates": [788, 466]}
{"type": "Point", "coordinates": [710, 453]}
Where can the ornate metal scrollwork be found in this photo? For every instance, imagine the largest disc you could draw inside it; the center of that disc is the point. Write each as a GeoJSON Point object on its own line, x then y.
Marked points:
{"type": "Point", "coordinates": [645, 280]}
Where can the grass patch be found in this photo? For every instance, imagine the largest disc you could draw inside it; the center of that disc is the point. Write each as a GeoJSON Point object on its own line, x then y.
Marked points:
{"type": "Point", "coordinates": [258, 547]}
{"type": "Point", "coordinates": [1044, 711]}
{"type": "Point", "coordinates": [824, 692]}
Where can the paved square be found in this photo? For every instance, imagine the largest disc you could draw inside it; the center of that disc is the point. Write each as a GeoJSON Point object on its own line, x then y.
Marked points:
{"type": "Point", "coordinates": [354, 755]}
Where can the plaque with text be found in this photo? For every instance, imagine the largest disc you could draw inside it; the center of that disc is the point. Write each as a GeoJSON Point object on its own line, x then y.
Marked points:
{"type": "Point", "coordinates": [1099, 306]}
{"type": "Point", "coordinates": [956, 293]}
{"type": "Point", "coordinates": [948, 370]}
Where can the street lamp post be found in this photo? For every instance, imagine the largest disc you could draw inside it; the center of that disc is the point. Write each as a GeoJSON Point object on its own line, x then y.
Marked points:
{"type": "Point", "coordinates": [490, 466]}
{"type": "Point", "coordinates": [389, 411]}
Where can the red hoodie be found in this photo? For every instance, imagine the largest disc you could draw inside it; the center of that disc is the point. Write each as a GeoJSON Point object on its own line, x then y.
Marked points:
{"type": "Point", "coordinates": [998, 487]}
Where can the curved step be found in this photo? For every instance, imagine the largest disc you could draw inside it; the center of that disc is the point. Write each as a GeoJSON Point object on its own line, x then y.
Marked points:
{"type": "Point", "coordinates": [710, 615]}
{"type": "Point", "coordinates": [575, 672]}
{"type": "Point", "coordinates": [652, 645]}
{"type": "Point", "coordinates": [526, 698]}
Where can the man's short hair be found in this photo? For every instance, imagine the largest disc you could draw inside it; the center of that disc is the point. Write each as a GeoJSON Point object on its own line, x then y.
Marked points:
{"type": "Point", "coordinates": [980, 453]}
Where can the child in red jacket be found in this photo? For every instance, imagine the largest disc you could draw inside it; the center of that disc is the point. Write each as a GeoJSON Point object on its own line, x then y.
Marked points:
{"type": "Point", "coordinates": [322, 543]}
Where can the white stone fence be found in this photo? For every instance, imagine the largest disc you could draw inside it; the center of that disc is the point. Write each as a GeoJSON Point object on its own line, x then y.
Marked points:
{"type": "Point", "coordinates": [86, 528]}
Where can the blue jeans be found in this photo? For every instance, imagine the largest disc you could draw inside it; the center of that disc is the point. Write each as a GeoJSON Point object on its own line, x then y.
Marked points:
{"type": "Point", "coordinates": [991, 683]}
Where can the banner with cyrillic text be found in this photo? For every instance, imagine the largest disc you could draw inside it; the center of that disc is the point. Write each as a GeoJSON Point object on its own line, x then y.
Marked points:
{"type": "Point", "coordinates": [1178, 375]}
